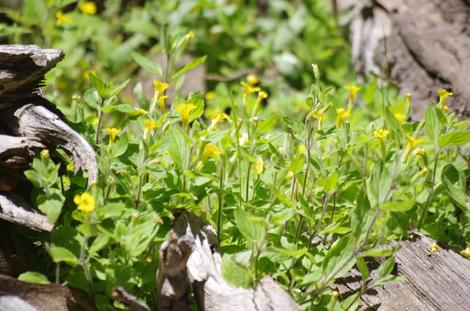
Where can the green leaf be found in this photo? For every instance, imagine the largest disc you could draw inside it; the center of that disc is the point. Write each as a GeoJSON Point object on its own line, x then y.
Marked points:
{"type": "Point", "coordinates": [60, 254]}
{"type": "Point", "coordinates": [251, 227]}
{"type": "Point", "coordinates": [351, 303]}
{"type": "Point", "coordinates": [98, 244]}
{"type": "Point", "coordinates": [235, 273]}
{"type": "Point", "coordinates": [339, 259]}
{"type": "Point", "coordinates": [189, 66]}
{"type": "Point", "coordinates": [178, 147]}
{"type": "Point", "coordinates": [432, 124]}
{"type": "Point", "coordinates": [381, 251]}
{"type": "Point", "coordinates": [33, 277]}
{"type": "Point", "coordinates": [450, 176]}
{"type": "Point", "coordinates": [330, 183]}
{"type": "Point", "coordinates": [362, 266]}
{"type": "Point", "coordinates": [295, 127]}
{"type": "Point", "coordinates": [34, 11]}
{"type": "Point", "coordinates": [397, 206]}
{"type": "Point", "coordinates": [380, 183]}
{"type": "Point", "coordinates": [458, 138]}
{"type": "Point", "coordinates": [386, 267]}
{"type": "Point", "coordinates": [147, 64]}
{"type": "Point", "coordinates": [50, 205]}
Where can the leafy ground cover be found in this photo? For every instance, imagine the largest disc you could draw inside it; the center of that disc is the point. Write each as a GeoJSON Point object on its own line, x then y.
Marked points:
{"type": "Point", "coordinates": [300, 187]}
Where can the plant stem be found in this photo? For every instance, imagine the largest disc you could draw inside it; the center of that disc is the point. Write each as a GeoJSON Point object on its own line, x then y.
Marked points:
{"type": "Point", "coordinates": [424, 211]}
{"type": "Point", "coordinates": [220, 195]}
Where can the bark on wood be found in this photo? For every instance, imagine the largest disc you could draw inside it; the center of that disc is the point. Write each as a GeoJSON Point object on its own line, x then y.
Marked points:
{"type": "Point", "coordinates": [190, 257]}
{"type": "Point", "coordinates": [421, 45]}
{"type": "Point", "coordinates": [43, 297]}
{"type": "Point", "coordinates": [15, 209]}
{"type": "Point", "coordinates": [29, 123]}
{"type": "Point", "coordinates": [436, 280]}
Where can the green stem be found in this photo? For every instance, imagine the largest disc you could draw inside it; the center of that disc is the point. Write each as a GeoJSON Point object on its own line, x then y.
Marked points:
{"type": "Point", "coordinates": [424, 211]}
{"type": "Point", "coordinates": [220, 195]}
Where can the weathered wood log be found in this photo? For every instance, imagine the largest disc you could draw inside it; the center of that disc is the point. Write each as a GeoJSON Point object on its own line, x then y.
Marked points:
{"type": "Point", "coordinates": [17, 210]}
{"type": "Point", "coordinates": [190, 257]}
{"type": "Point", "coordinates": [421, 45]}
{"type": "Point", "coordinates": [43, 296]}
{"type": "Point", "coordinates": [29, 123]}
{"type": "Point", "coordinates": [435, 280]}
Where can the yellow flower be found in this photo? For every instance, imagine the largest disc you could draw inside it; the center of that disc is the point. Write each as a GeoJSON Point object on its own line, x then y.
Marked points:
{"type": "Point", "coordinates": [352, 90]}
{"type": "Point", "coordinates": [85, 202]}
{"type": "Point", "coordinates": [45, 154]}
{"type": "Point", "coordinates": [262, 94]}
{"type": "Point", "coordinates": [62, 19]}
{"type": "Point", "coordinates": [320, 116]}
{"type": "Point", "coordinates": [423, 172]}
{"type": "Point", "coordinates": [412, 143]}
{"type": "Point", "coordinates": [466, 252]}
{"type": "Point", "coordinates": [210, 95]}
{"type": "Point", "coordinates": [341, 115]}
{"type": "Point", "coordinates": [70, 167]}
{"type": "Point", "coordinates": [217, 117]}
{"type": "Point", "coordinates": [113, 133]}
{"type": "Point", "coordinates": [400, 117]}
{"type": "Point", "coordinates": [445, 109]}
{"type": "Point", "coordinates": [87, 7]}
{"type": "Point", "coordinates": [252, 79]}
{"type": "Point", "coordinates": [259, 166]}
{"type": "Point", "coordinates": [248, 89]}
{"type": "Point", "coordinates": [149, 125]}
{"type": "Point", "coordinates": [184, 111]}
{"type": "Point", "coordinates": [434, 247]}
{"type": "Point", "coordinates": [210, 151]}
{"type": "Point", "coordinates": [419, 152]}
{"type": "Point", "coordinates": [301, 149]}
{"type": "Point", "coordinates": [443, 94]}
{"type": "Point", "coordinates": [162, 102]}
{"type": "Point", "coordinates": [381, 133]}
{"type": "Point", "coordinates": [160, 86]}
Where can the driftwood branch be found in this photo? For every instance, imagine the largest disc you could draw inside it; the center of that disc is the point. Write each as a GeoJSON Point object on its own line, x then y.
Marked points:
{"type": "Point", "coordinates": [435, 280]}
{"type": "Point", "coordinates": [421, 45]}
{"type": "Point", "coordinates": [15, 209]}
{"type": "Point", "coordinates": [29, 123]}
{"type": "Point", "coordinates": [190, 257]}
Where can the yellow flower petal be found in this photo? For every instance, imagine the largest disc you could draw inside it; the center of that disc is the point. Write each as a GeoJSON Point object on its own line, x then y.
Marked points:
{"type": "Point", "coordinates": [87, 7]}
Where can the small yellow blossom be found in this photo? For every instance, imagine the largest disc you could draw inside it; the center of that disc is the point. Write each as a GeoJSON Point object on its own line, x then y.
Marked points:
{"type": "Point", "coordinates": [252, 79]}
{"type": "Point", "coordinates": [162, 102]}
{"type": "Point", "coordinates": [85, 202]}
{"type": "Point", "coordinates": [210, 95]}
{"type": "Point", "coordinates": [381, 133]}
{"type": "Point", "coordinates": [259, 166]}
{"type": "Point", "coordinates": [248, 89]}
{"type": "Point", "coordinates": [62, 19]}
{"type": "Point", "coordinates": [341, 115]}
{"type": "Point", "coordinates": [352, 90]}
{"type": "Point", "coordinates": [412, 143]}
{"type": "Point", "coordinates": [45, 154]}
{"type": "Point", "coordinates": [419, 152]}
{"type": "Point", "coordinates": [210, 151]}
{"type": "Point", "coordinates": [184, 111]}
{"type": "Point", "coordinates": [466, 252]}
{"type": "Point", "coordinates": [158, 220]}
{"type": "Point", "coordinates": [160, 86]}
{"type": "Point", "coordinates": [400, 117]}
{"type": "Point", "coordinates": [445, 109]}
{"type": "Point", "coordinates": [443, 94]}
{"type": "Point", "coordinates": [422, 172]}
{"type": "Point", "coordinates": [261, 95]}
{"type": "Point", "coordinates": [113, 133]}
{"type": "Point", "coordinates": [87, 7]}
{"type": "Point", "coordinates": [149, 124]}
{"type": "Point", "coordinates": [243, 139]}
{"type": "Point", "coordinates": [320, 117]}
{"type": "Point", "coordinates": [70, 167]}
{"type": "Point", "coordinates": [335, 294]}
{"type": "Point", "coordinates": [217, 117]}
{"type": "Point", "coordinates": [302, 149]}
{"type": "Point", "coordinates": [434, 247]}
